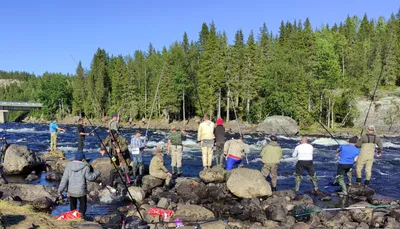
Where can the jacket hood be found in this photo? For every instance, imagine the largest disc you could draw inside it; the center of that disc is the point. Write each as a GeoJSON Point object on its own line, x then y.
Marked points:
{"type": "Point", "coordinates": [77, 165]}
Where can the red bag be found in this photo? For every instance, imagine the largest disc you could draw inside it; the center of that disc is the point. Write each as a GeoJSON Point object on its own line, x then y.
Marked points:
{"type": "Point", "coordinates": [161, 212]}
{"type": "Point", "coordinates": [69, 215]}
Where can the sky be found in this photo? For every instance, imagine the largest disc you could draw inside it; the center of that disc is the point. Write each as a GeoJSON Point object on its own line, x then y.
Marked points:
{"type": "Point", "coordinates": [42, 35]}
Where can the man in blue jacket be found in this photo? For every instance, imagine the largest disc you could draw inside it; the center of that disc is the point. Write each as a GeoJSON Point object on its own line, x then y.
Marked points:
{"type": "Point", "coordinates": [74, 180]}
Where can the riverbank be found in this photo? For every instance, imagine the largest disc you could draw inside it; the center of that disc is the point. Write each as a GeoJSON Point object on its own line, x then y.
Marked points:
{"type": "Point", "coordinates": [192, 125]}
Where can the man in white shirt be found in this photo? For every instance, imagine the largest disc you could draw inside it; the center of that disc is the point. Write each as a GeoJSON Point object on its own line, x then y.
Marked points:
{"type": "Point", "coordinates": [304, 154]}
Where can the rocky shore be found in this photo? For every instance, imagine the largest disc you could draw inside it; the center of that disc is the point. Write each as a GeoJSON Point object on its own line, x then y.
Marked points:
{"type": "Point", "coordinates": [240, 199]}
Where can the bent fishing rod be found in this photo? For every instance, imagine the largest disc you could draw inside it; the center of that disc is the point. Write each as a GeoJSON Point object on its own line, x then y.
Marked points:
{"type": "Point", "coordinates": [114, 165]}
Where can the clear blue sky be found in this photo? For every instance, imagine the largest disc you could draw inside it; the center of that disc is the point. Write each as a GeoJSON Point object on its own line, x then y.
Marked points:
{"type": "Point", "coordinates": [39, 36]}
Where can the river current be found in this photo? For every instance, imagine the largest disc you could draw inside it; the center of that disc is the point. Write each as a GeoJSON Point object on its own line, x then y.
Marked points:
{"type": "Point", "coordinates": [385, 176]}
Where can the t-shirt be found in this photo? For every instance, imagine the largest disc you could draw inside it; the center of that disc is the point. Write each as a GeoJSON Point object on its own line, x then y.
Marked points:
{"type": "Point", "coordinates": [304, 152]}
{"type": "Point", "coordinates": [176, 138]}
{"type": "Point", "coordinates": [81, 130]}
{"type": "Point", "coordinates": [348, 153]}
{"type": "Point", "coordinates": [53, 127]}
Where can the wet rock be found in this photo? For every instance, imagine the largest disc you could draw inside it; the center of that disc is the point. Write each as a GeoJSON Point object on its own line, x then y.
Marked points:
{"type": "Point", "coordinates": [272, 200]}
{"type": "Point", "coordinates": [109, 221]}
{"type": "Point", "coordinates": [362, 226]}
{"type": "Point", "coordinates": [360, 191]}
{"type": "Point", "coordinates": [392, 223]}
{"type": "Point", "coordinates": [137, 193]}
{"type": "Point", "coordinates": [3, 178]}
{"type": "Point", "coordinates": [104, 166]}
{"type": "Point", "coordinates": [213, 175]}
{"type": "Point", "coordinates": [192, 191]}
{"type": "Point", "coordinates": [349, 225]}
{"type": "Point", "coordinates": [51, 176]}
{"type": "Point", "coordinates": [214, 225]}
{"type": "Point", "coordinates": [380, 200]}
{"type": "Point", "coordinates": [28, 192]}
{"type": "Point", "coordinates": [361, 215]}
{"type": "Point", "coordinates": [108, 195]}
{"type": "Point", "coordinates": [150, 182]}
{"type": "Point", "coordinates": [275, 125]}
{"type": "Point", "coordinates": [379, 217]}
{"type": "Point", "coordinates": [248, 183]}
{"type": "Point", "coordinates": [219, 192]}
{"type": "Point", "coordinates": [32, 177]}
{"type": "Point", "coordinates": [290, 221]}
{"type": "Point", "coordinates": [252, 210]}
{"type": "Point", "coordinates": [163, 203]}
{"type": "Point", "coordinates": [300, 225]}
{"type": "Point", "coordinates": [395, 213]}
{"type": "Point", "coordinates": [88, 225]}
{"type": "Point", "coordinates": [339, 219]}
{"type": "Point", "coordinates": [60, 165]}
{"type": "Point", "coordinates": [276, 212]}
{"type": "Point", "coordinates": [303, 200]}
{"type": "Point", "coordinates": [234, 223]}
{"type": "Point", "coordinates": [20, 160]}
{"type": "Point", "coordinates": [287, 194]}
{"type": "Point", "coordinates": [43, 203]}
{"type": "Point", "coordinates": [193, 213]}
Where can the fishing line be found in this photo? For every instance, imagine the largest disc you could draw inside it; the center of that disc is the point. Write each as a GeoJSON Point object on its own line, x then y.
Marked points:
{"type": "Point", "coordinates": [281, 127]}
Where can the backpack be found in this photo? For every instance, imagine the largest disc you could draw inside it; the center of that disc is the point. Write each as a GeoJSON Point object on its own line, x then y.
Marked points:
{"type": "Point", "coordinates": [176, 138]}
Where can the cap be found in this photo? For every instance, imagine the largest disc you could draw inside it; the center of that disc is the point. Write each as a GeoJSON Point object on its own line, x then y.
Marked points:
{"type": "Point", "coordinates": [173, 128]}
{"type": "Point", "coordinates": [220, 122]}
{"type": "Point", "coordinates": [79, 156]}
{"type": "Point", "coordinates": [114, 115]}
{"type": "Point", "coordinates": [273, 138]}
{"type": "Point", "coordinates": [371, 127]}
{"type": "Point", "coordinates": [353, 140]}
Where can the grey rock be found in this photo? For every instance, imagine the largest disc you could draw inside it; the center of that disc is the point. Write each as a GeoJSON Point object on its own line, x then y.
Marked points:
{"type": "Point", "coordinates": [163, 203]}
{"type": "Point", "coordinates": [52, 176]}
{"type": "Point", "coordinates": [392, 223]}
{"type": "Point", "coordinates": [276, 212]}
{"type": "Point", "coordinates": [104, 166]}
{"type": "Point", "coordinates": [248, 183]}
{"type": "Point", "coordinates": [362, 226]}
{"type": "Point", "coordinates": [42, 203]}
{"type": "Point", "coordinates": [20, 160]}
{"type": "Point", "coordinates": [278, 125]}
{"type": "Point", "coordinates": [300, 226]}
{"type": "Point", "coordinates": [150, 182]}
{"type": "Point", "coordinates": [32, 177]}
{"type": "Point", "coordinates": [193, 213]}
{"type": "Point", "coordinates": [361, 215]}
{"type": "Point", "coordinates": [28, 192]}
{"type": "Point", "coordinates": [137, 193]}
{"type": "Point", "coordinates": [109, 221]}
{"type": "Point", "coordinates": [214, 175]}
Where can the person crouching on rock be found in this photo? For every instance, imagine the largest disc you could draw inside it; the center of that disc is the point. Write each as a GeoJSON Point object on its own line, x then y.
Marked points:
{"type": "Point", "coordinates": [158, 169]}
{"type": "Point", "coordinates": [304, 153]}
{"type": "Point", "coordinates": [348, 155]}
{"type": "Point", "coordinates": [234, 149]}
{"type": "Point", "coordinates": [74, 180]}
{"type": "Point", "coordinates": [271, 154]}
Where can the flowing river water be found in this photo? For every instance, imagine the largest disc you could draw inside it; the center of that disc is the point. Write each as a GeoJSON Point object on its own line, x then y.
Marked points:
{"type": "Point", "coordinates": [385, 176]}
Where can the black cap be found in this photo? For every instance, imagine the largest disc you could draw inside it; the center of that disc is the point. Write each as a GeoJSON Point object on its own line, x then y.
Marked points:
{"type": "Point", "coordinates": [353, 140]}
{"type": "Point", "coordinates": [273, 138]}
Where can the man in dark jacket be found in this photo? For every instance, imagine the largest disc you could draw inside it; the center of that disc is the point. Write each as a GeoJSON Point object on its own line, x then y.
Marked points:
{"type": "Point", "coordinates": [74, 180]}
{"type": "Point", "coordinates": [81, 134]}
{"type": "Point", "coordinates": [219, 133]}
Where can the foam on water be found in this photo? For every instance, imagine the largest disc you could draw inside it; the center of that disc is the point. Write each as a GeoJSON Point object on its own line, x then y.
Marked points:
{"type": "Point", "coordinates": [327, 142]}
{"type": "Point", "coordinates": [23, 130]}
{"type": "Point", "coordinates": [389, 144]}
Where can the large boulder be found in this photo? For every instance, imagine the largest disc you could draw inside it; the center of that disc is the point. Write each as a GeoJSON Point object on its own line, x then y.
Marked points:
{"type": "Point", "coordinates": [28, 192]}
{"type": "Point", "coordinates": [278, 125]}
{"type": "Point", "coordinates": [51, 160]}
{"type": "Point", "coordinates": [43, 203]}
{"type": "Point", "coordinates": [104, 166]}
{"type": "Point", "coordinates": [362, 215]}
{"type": "Point", "coordinates": [248, 183]}
{"type": "Point", "coordinates": [213, 175]}
{"type": "Point", "coordinates": [149, 182]}
{"type": "Point", "coordinates": [193, 213]}
{"type": "Point", "coordinates": [137, 193]}
{"type": "Point", "coordinates": [192, 191]}
{"type": "Point", "coordinates": [20, 160]}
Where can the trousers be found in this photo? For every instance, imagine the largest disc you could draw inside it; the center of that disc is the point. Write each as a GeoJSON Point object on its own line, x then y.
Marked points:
{"type": "Point", "coordinates": [368, 168]}
{"type": "Point", "coordinates": [271, 170]}
{"type": "Point", "coordinates": [82, 204]}
{"type": "Point", "coordinates": [53, 141]}
{"type": "Point", "coordinates": [176, 156]}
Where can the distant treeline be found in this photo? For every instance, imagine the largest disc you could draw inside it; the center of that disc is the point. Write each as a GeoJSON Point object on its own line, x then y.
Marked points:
{"type": "Point", "coordinates": [322, 71]}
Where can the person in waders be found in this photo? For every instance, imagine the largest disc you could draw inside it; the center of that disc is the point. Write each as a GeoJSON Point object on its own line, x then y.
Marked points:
{"type": "Point", "coordinates": [219, 134]}
{"type": "Point", "coordinates": [157, 168]}
{"type": "Point", "coordinates": [136, 148]}
{"type": "Point", "coordinates": [113, 124]}
{"type": "Point", "coordinates": [205, 136]}
{"type": "Point", "coordinates": [304, 153]}
{"type": "Point", "coordinates": [348, 155]}
{"type": "Point", "coordinates": [3, 149]}
{"type": "Point", "coordinates": [367, 143]}
{"type": "Point", "coordinates": [118, 148]}
{"type": "Point", "coordinates": [81, 134]}
{"type": "Point", "coordinates": [54, 128]}
{"type": "Point", "coordinates": [234, 149]}
{"type": "Point", "coordinates": [74, 181]}
{"type": "Point", "coordinates": [271, 154]}
{"type": "Point", "coordinates": [175, 149]}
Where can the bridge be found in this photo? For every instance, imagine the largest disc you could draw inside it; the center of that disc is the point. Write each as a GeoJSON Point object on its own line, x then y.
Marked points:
{"type": "Point", "coordinates": [15, 106]}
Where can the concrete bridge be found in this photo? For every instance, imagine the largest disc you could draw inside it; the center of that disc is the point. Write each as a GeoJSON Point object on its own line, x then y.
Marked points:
{"type": "Point", "coordinates": [15, 106]}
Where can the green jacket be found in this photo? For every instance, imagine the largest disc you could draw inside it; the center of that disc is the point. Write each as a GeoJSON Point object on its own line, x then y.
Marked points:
{"type": "Point", "coordinates": [157, 165]}
{"type": "Point", "coordinates": [271, 153]}
{"type": "Point", "coordinates": [121, 143]}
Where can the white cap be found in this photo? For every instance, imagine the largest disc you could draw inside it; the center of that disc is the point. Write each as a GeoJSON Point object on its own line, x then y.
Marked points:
{"type": "Point", "coordinates": [371, 127]}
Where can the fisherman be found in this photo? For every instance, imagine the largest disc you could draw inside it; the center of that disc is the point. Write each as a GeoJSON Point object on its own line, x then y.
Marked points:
{"type": "Point", "coordinates": [3, 148]}
{"type": "Point", "coordinates": [157, 168]}
{"type": "Point", "coordinates": [175, 143]}
{"type": "Point", "coordinates": [234, 149]}
{"type": "Point", "coordinates": [118, 148]}
{"type": "Point", "coordinates": [348, 155]}
{"type": "Point", "coordinates": [130, 121]}
{"type": "Point", "coordinates": [205, 136]}
{"type": "Point", "coordinates": [304, 153]}
{"type": "Point", "coordinates": [367, 143]}
{"type": "Point", "coordinates": [136, 147]}
{"type": "Point", "coordinates": [54, 128]}
{"type": "Point", "coordinates": [113, 124]}
{"type": "Point", "coordinates": [81, 134]}
{"type": "Point", "coordinates": [219, 134]}
{"type": "Point", "coordinates": [271, 154]}
{"type": "Point", "coordinates": [74, 181]}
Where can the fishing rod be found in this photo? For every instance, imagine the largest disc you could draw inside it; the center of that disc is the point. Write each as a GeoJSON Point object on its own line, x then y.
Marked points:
{"type": "Point", "coordinates": [155, 99]}
{"type": "Point", "coordinates": [309, 211]}
{"type": "Point", "coordinates": [115, 166]}
{"type": "Point", "coordinates": [281, 127]}
{"type": "Point", "coordinates": [376, 87]}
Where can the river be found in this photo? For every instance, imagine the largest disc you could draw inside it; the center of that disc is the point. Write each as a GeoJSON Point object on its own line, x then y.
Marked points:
{"type": "Point", "coordinates": [385, 177]}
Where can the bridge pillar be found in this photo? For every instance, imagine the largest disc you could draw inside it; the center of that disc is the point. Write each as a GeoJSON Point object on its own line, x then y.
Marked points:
{"type": "Point", "coordinates": [3, 116]}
